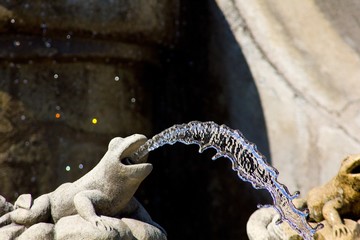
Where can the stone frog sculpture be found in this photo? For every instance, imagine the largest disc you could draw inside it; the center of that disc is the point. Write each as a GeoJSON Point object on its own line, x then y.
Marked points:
{"type": "Point", "coordinates": [336, 205]}
{"type": "Point", "coordinates": [338, 198]}
{"type": "Point", "coordinates": [107, 190]}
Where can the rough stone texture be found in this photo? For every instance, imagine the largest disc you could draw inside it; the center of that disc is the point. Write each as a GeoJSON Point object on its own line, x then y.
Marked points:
{"type": "Point", "coordinates": [307, 77]}
{"type": "Point", "coordinates": [91, 207]}
{"type": "Point", "coordinates": [43, 231]}
{"type": "Point", "coordinates": [5, 206]}
{"type": "Point", "coordinates": [22, 144]}
{"type": "Point", "coordinates": [262, 225]}
{"type": "Point", "coordinates": [141, 19]}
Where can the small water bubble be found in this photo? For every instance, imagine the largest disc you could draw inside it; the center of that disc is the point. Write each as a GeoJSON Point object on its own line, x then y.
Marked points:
{"type": "Point", "coordinates": [47, 44]}
{"type": "Point", "coordinates": [68, 168]}
{"type": "Point", "coordinates": [133, 100]}
{"type": "Point", "coordinates": [117, 78]}
{"type": "Point", "coordinates": [25, 81]}
{"type": "Point", "coordinates": [56, 76]}
{"type": "Point", "coordinates": [58, 107]}
{"type": "Point", "coordinates": [27, 143]}
{"type": "Point", "coordinates": [43, 26]}
{"type": "Point", "coordinates": [16, 43]}
{"type": "Point", "coordinates": [81, 166]}
{"type": "Point", "coordinates": [33, 179]}
{"type": "Point", "coordinates": [68, 36]}
{"type": "Point", "coordinates": [23, 117]}
{"type": "Point", "coordinates": [12, 21]}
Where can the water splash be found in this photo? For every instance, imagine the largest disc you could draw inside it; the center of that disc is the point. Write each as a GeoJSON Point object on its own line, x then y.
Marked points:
{"type": "Point", "coordinates": [250, 165]}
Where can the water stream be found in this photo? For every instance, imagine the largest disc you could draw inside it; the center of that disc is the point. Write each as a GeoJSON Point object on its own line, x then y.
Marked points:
{"type": "Point", "coordinates": [250, 165]}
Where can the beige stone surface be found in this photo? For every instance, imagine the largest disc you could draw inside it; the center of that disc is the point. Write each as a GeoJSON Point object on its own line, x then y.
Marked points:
{"type": "Point", "coordinates": [307, 77]}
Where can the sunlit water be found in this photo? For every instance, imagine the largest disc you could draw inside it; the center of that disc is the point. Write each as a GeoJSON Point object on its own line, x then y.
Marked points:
{"type": "Point", "coordinates": [250, 165]}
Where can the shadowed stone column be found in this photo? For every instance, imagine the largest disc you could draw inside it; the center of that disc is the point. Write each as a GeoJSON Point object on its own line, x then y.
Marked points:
{"type": "Point", "coordinates": [74, 74]}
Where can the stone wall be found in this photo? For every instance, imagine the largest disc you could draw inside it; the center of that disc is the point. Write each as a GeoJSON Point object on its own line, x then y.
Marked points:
{"type": "Point", "coordinates": [305, 62]}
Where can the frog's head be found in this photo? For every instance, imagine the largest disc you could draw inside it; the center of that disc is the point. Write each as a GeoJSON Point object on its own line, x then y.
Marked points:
{"type": "Point", "coordinates": [119, 152]}
{"type": "Point", "coordinates": [350, 171]}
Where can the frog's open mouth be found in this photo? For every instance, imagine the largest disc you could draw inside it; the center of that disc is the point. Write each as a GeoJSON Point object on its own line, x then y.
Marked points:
{"type": "Point", "coordinates": [127, 161]}
{"type": "Point", "coordinates": [354, 168]}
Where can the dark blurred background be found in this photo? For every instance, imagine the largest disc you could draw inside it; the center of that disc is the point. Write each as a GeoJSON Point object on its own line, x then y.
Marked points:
{"type": "Point", "coordinates": [75, 74]}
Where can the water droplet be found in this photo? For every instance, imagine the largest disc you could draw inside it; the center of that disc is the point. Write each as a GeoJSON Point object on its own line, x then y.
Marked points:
{"type": "Point", "coordinates": [47, 44]}
{"type": "Point", "coordinates": [56, 76]}
{"type": "Point", "coordinates": [43, 25]}
{"type": "Point", "coordinates": [12, 21]}
{"type": "Point", "coordinates": [23, 117]}
{"type": "Point", "coordinates": [33, 179]}
{"type": "Point", "coordinates": [58, 108]}
{"type": "Point", "coordinates": [68, 168]}
{"type": "Point", "coordinates": [133, 100]}
{"type": "Point", "coordinates": [25, 81]}
{"type": "Point", "coordinates": [81, 166]}
{"type": "Point", "coordinates": [27, 143]}
{"type": "Point", "coordinates": [16, 43]}
{"type": "Point", "coordinates": [68, 36]}
{"type": "Point", "coordinates": [117, 78]}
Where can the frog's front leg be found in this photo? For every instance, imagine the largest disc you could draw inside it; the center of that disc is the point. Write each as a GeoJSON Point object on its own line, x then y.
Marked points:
{"type": "Point", "coordinates": [85, 202]}
{"type": "Point", "coordinates": [332, 216]}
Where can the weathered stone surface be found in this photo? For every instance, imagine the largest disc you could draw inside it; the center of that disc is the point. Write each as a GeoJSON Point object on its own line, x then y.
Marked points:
{"type": "Point", "coordinates": [75, 227]}
{"type": "Point", "coordinates": [258, 225]}
{"type": "Point", "coordinates": [5, 206]}
{"type": "Point", "coordinates": [262, 225]}
{"type": "Point", "coordinates": [43, 231]}
{"type": "Point", "coordinates": [24, 201]}
{"type": "Point", "coordinates": [307, 77]}
{"type": "Point", "coordinates": [11, 231]}
{"type": "Point", "coordinates": [136, 20]}
{"type": "Point", "coordinates": [21, 143]}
